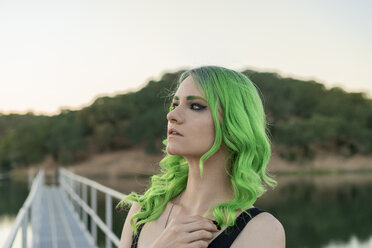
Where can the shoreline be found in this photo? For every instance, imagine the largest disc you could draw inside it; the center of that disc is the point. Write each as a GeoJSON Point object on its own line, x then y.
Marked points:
{"type": "Point", "coordinates": [136, 163]}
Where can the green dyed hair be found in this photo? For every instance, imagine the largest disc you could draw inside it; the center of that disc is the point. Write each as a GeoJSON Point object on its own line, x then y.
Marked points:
{"type": "Point", "coordinates": [242, 129]}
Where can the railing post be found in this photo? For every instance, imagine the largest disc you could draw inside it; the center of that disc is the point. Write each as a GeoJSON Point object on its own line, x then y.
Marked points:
{"type": "Point", "coordinates": [93, 225]}
{"type": "Point", "coordinates": [85, 199]}
{"type": "Point", "coordinates": [108, 218]}
{"type": "Point", "coordinates": [68, 183]}
{"type": "Point", "coordinates": [24, 229]}
{"type": "Point", "coordinates": [79, 207]}
{"type": "Point", "coordinates": [32, 209]}
{"type": "Point", "coordinates": [35, 205]}
{"type": "Point", "coordinates": [73, 184]}
{"type": "Point", "coordinates": [33, 217]}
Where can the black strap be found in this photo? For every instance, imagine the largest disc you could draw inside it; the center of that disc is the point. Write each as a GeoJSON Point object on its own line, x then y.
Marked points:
{"type": "Point", "coordinates": [224, 239]}
{"type": "Point", "coordinates": [228, 236]}
{"type": "Point", "coordinates": [135, 237]}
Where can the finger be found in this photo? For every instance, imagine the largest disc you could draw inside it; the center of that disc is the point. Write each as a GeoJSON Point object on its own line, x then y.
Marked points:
{"type": "Point", "coordinates": [185, 220]}
{"type": "Point", "coordinates": [193, 218]}
{"type": "Point", "coordinates": [206, 225]}
{"type": "Point", "coordinates": [198, 235]}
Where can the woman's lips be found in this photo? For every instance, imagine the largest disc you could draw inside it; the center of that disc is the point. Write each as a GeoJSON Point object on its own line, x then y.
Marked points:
{"type": "Point", "coordinates": [174, 135]}
{"type": "Point", "coordinates": [174, 132]}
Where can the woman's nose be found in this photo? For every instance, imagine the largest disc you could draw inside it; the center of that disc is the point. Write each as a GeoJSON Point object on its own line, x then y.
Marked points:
{"type": "Point", "coordinates": [174, 116]}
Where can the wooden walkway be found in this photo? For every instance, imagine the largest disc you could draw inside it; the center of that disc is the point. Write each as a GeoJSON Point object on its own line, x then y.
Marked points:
{"type": "Point", "coordinates": [56, 225]}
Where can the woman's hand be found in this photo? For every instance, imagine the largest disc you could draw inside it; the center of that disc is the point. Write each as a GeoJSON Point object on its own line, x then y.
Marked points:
{"type": "Point", "coordinates": [190, 232]}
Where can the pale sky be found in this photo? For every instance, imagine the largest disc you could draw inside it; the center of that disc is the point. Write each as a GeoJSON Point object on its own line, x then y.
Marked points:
{"type": "Point", "coordinates": [57, 54]}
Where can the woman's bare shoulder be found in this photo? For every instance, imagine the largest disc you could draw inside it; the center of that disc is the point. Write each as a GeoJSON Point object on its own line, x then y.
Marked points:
{"type": "Point", "coordinates": [264, 230]}
{"type": "Point", "coordinates": [127, 233]}
{"type": "Point", "coordinates": [135, 208]}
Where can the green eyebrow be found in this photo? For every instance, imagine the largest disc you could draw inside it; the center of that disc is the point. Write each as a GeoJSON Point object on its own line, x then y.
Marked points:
{"type": "Point", "coordinates": [188, 98]}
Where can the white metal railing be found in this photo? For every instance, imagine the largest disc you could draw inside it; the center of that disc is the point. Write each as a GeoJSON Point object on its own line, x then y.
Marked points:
{"type": "Point", "coordinates": [76, 190]}
{"type": "Point", "coordinates": [22, 219]}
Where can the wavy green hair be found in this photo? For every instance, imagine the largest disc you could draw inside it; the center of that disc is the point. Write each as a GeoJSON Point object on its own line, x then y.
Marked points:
{"type": "Point", "coordinates": [242, 129]}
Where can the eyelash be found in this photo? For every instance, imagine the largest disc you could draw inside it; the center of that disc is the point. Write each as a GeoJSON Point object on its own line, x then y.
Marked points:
{"type": "Point", "coordinates": [201, 107]}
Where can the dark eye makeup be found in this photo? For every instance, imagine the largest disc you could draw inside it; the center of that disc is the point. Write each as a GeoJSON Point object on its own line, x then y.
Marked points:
{"type": "Point", "coordinates": [193, 106]}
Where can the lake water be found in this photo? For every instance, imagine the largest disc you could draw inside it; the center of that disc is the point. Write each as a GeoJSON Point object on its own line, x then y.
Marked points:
{"type": "Point", "coordinates": [325, 211]}
{"type": "Point", "coordinates": [12, 196]}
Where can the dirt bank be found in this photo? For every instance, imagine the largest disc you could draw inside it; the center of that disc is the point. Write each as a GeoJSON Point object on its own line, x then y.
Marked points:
{"type": "Point", "coordinates": [136, 161]}
{"type": "Point", "coordinates": [135, 166]}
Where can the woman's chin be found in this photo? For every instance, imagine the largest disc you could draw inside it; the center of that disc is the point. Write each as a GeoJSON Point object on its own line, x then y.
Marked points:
{"type": "Point", "coordinates": [171, 151]}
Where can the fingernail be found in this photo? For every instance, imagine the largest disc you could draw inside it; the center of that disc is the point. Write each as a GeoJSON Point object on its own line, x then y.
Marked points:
{"type": "Point", "coordinates": [218, 227]}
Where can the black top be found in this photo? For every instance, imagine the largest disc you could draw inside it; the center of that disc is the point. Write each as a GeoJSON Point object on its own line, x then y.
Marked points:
{"type": "Point", "coordinates": [227, 237]}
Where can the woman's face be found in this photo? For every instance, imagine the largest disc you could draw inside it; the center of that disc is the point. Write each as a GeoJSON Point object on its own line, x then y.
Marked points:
{"type": "Point", "coordinates": [192, 119]}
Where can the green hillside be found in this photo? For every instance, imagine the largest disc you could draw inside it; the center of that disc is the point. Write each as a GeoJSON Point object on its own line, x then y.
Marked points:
{"type": "Point", "coordinates": [304, 117]}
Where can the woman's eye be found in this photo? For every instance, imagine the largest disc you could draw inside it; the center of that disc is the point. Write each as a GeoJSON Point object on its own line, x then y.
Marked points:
{"type": "Point", "coordinates": [197, 106]}
{"type": "Point", "coordinates": [174, 105]}
{"type": "Point", "coordinates": [193, 106]}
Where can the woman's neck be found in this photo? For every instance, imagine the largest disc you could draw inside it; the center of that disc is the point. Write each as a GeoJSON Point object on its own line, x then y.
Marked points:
{"type": "Point", "coordinates": [208, 191]}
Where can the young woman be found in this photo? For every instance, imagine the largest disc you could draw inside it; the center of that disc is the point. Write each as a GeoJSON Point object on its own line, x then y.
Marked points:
{"type": "Point", "coordinates": [213, 171]}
